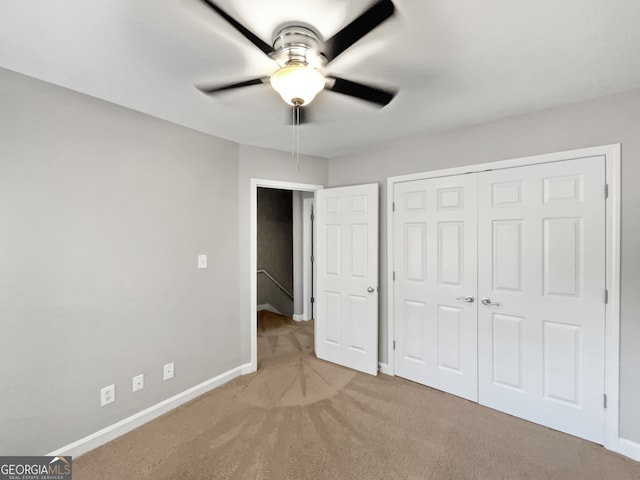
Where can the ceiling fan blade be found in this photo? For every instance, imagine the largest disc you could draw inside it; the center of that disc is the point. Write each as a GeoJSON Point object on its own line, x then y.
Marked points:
{"type": "Point", "coordinates": [360, 90]}
{"type": "Point", "coordinates": [230, 86]}
{"type": "Point", "coordinates": [367, 21]}
{"type": "Point", "coordinates": [248, 34]}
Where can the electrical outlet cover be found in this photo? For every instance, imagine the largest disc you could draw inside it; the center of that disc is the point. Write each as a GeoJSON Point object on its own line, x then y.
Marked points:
{"type": "Point", "coordinates": [138, 382]}
{"type": "Point", "coordinates": [107, 395]}
{"type": "Point", "coordinates": [167, 371]}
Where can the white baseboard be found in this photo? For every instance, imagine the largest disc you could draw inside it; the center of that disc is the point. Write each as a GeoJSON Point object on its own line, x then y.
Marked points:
{"type": "Point", "coordinates": [629, 449]}
{"type": "Point", "coordinates": [136, 420]}
{"type": "Point", "coordinates": [248, 368]}
{"type": "Point", "coordinates": [298, 318]}
{"type": "Point", "coordinates": [268, 307]}
{"type": "Point", "coordinates": [384, 368]}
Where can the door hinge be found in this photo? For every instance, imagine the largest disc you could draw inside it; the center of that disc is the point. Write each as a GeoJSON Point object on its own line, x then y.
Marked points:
{"type": "Point", "coordinates": [605, 400]}
{"type": "Point", "coordinates": [393, 206]}
{"type": "Point", "coordinates": [313, 300]}
{"type": "Point", "coordinates": [313, 259]}
{"type": "Point", "coordinates": [606, 190]}
{"type": "Point", "coordinates": [394, 276]}
{"type": "Point", "coordinates": [394, 344]}
{"type": "Point", "coordinates": [606, 296]}
{"type": "Point", "coordinates": [313, 217]}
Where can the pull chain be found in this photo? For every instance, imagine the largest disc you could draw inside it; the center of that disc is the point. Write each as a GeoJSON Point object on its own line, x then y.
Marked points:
{"type": "Point", "coordinates": [297, 127]}
{"type": "Point", "coordinates": [295, 134]}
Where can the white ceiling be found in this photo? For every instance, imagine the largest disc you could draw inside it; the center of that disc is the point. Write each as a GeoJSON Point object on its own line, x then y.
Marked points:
{"type": "Point", "coordinates": [456, 62]}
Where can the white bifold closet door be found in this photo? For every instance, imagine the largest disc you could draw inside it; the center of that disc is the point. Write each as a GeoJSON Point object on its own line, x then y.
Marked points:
{"type": "Point", "coordinates": [528, 244]}
{"type": "Point", "coordinates": [435, 283]}
{"type": "Point", "coordinates": [542, 262]}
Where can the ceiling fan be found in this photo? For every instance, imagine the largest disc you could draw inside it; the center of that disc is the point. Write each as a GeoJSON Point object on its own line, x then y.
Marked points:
{"type": "Point", "coordinates": [302, 56]}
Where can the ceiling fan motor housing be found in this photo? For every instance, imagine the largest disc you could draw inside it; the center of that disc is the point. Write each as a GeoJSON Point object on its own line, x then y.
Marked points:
{"type": "Point", "coordinates": [297, 45]}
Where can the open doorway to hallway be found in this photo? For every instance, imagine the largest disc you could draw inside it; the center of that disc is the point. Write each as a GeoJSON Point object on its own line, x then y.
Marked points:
{"type": "Point", "coordinates": [284, 273]}
{"type": "Point", "coordinates": [255, 185]}
{"type": "Point", "coordinates": [275, 251]}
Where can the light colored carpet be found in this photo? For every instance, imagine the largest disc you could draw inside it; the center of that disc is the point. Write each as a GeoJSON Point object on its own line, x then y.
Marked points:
{"type": "Point", "coordinates": [302, 418]}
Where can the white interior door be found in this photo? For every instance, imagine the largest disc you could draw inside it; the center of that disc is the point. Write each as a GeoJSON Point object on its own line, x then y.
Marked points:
{"type": "Point", "coordinates": [435, 245]}
{"type": "Point", "coordinates": [347, 276]}
{"type": "Point", "coordinates": [542, 266]}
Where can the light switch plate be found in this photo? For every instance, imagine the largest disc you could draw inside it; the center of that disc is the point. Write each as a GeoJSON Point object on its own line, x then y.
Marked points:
{"type": "Point", "coordinates": [202, 261]}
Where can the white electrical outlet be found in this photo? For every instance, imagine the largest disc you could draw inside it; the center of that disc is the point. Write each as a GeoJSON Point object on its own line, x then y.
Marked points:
{"type": "Point", "coordinates": [202, 261]}
{"type": "Point", "coordinates": [107, 395]}
{"type": "Point", "coordinates": [138, 382]}
{"type": "Point", "coordinates": [167, 371]}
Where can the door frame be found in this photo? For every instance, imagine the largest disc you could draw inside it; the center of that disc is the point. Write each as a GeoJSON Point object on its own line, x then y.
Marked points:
{"type": "Point", "coordinates": [253, 251]}
{"type": "Point", "coordinates": [307, 254]}
{"type": "Point", "coordinates": [612, 154]}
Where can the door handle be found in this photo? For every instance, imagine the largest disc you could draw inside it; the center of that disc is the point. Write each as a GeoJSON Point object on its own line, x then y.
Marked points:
{"type": "Point", "coordinates": [487, 301]}
{"type": "Point", "coordinates": [371, 289]}
{"type": "Point", "coordinates": [468, 299]}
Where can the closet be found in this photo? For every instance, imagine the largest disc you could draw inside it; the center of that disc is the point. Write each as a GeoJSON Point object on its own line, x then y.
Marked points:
{"type": "Point", "coordinates": [498, 291]}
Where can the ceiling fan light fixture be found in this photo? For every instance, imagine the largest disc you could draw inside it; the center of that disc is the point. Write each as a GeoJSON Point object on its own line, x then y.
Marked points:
{"type": "Point", "coordinates": [297, 84]}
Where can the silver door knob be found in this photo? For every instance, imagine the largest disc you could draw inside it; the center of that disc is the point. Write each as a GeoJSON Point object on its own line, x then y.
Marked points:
{"type": "Point", "coordinates": [371, 289]}
{"type": "Point", "coordinates": [487, 301]}
{"type": "Point", "coordinates": [468, 299]}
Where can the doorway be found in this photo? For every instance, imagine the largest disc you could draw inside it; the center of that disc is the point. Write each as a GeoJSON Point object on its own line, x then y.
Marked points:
{"type": "Point", "coordinates": [346, 277]}
{"type": "Point", "coordinates": [275, 269]}
{"type": "Point", "coordinates": [284, 256]}
{"type": "Point", "coordinates": [253, 260]}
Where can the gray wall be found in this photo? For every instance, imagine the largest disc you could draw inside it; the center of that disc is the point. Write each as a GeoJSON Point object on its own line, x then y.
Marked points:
{"type": "Point", "coordinates": [103, 212]}
{"type": "Point", "coordinates": [275, 247]}
{"type": "Point", "coordinates": [602, 121]}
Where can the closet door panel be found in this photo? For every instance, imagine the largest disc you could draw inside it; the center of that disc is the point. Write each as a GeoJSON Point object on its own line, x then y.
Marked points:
{"type": "Point", "coordinates": [541, 266]}
{"type": "Point", "coordinates": [435, 244]}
